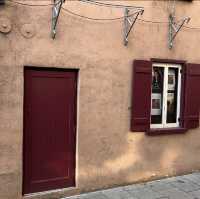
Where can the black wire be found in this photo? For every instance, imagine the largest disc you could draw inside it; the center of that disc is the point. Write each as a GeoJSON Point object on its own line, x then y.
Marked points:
{"type": "Point", "coordinates": [95, 19]}
{"type": "Point", "coordinates": [155, 22]}
{"type": "Point", "coordinates": [192, 28]}
{"type": "Point", "coordinates": [109, 4]}
{"type": "Point", "coordinates": [99, 19]}
{"type": "Point", "coordinates": [118, 18]}
{"type": "Point", "coordinates": [25, 4]}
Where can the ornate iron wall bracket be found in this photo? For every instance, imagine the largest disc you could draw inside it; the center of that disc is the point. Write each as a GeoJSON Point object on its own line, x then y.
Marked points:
{"type": "Point", "coordinates": [175, 27]}
{"type": "Point", "coordinates": [55, 14]}
{"type": "Point", "coordinates": [129, 21]}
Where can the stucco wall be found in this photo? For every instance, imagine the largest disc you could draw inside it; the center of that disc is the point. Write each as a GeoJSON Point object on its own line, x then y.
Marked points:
{"type": "Point", "coordinates": [107, 153]}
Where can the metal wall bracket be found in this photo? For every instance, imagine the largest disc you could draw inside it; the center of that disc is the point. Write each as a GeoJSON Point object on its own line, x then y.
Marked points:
{"type": "Point", "coordinates": [175, 27]}
{"type": "Point", "coordinates": [129, 21]}
{"type": "Point", "coordinates": [55, 14]}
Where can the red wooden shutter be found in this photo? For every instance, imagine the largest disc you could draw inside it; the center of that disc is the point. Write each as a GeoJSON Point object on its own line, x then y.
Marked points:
{"type": "Point", "coordinates": [192, 96]}
{"type": "Point", "coordinates": [141, 95]}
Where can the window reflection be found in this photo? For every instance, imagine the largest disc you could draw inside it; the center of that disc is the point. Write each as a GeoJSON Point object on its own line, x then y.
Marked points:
{"type": "Point", "coordinates": [157, 95]}
{"type": "Point", "coordinates": [172, 95]}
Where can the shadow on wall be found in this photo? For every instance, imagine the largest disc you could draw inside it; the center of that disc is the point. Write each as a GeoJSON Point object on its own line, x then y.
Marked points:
{"type": "Point", "coordinates": [125, 158]}
{"type": "Point", "coordinates": [108, 154]}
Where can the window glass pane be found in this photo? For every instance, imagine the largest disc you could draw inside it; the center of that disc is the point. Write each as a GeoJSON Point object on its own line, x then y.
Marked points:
{"type": "Point", "coordinates": [172, 95]}
{"type": "Point", "coordinates": [157, 95]}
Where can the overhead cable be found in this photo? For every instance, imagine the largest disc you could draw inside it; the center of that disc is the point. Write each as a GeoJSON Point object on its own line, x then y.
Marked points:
{"type": "Point", "coordinates": [26, 4]}
{"type": "Point", "coordinates": [98, 19]}
{"type": "Point", "coordinates": [155, 22]}
{"type": "Point", "coordinates": [192, 28]}
{"type": "Point", "coordinates": [121, 18]}
{"type": "Point", "coordinates": [110, 4]}
{"type": "Point", "coordinates": [95, 19]}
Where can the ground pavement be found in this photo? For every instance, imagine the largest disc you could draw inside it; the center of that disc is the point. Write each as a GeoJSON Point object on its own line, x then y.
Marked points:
{"type": "Point", "coordinates": [181, 187]}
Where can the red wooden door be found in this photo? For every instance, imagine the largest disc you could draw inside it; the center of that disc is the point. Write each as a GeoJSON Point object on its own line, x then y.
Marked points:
{"type": "Point", "coordinates": [49, 129]}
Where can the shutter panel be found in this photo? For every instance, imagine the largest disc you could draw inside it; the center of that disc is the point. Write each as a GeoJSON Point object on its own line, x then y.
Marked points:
{"type": "Point", "coordinates": [141, 95]}
{"type": "Point", "coordinates": [192, 96]}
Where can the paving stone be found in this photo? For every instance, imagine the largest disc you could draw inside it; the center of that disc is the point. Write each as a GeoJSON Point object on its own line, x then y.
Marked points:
{"type": "Point", "coordinates": [172, 179]}
{"type": "Point", "coordinates": [175, 193]}
{"type": "Point", "coordinates": [159, 186]}
{"type": "Point", "coordinates": [93, 195]}
{"type": "Point", "coordinates": [134, 187]}
{"type": "Point", "coordinates": [163, 198]}
{"type": "Point", "coordinates": [181, 187]}
{"type": "Point", "coordinates": [185, 185]}
{"type": "Point", "coordinates": [195, 194]}
{"type": "Point", "coordinates": [110, 194]}
{"type": "Point", "coordinates": [115, 189]}
{"type": "Point", "coordinates": [71, 197]}
{"type": "Point", "coordinates": [146, 193]}
{"type": "Point", "coordinates": [195, 178]}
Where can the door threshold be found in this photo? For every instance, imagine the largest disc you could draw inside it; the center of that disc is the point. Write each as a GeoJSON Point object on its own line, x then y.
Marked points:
{"type": "Point", "coordinates": [48, 192]}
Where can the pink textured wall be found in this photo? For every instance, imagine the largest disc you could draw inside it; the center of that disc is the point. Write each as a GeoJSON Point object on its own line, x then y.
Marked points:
{"type": "Point", "coordinates": [107, 153]}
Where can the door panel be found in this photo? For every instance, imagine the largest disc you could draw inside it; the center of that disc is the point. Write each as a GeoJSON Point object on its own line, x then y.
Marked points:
{"type": "Point", "coordinates": [49, 129]}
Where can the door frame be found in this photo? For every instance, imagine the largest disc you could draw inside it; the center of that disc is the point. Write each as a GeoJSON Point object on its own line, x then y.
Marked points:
{"type": "Point", "coordinates": [65, 69]}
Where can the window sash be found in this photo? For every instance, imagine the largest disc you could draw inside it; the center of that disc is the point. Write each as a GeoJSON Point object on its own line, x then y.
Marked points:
{"type": "Point", "coordinates": [164, 123]}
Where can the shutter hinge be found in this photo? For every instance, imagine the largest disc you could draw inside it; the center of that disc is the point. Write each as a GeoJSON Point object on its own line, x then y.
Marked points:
{"type": "Point", "coordinates": [179, 119]}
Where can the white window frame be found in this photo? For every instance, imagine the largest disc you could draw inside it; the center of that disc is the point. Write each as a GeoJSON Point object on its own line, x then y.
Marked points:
{"type": "Point", "coordinates": [164, 123]}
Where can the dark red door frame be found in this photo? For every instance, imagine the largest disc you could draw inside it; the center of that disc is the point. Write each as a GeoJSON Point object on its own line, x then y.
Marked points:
{"type": "Point", "coordinates": [58, 80]}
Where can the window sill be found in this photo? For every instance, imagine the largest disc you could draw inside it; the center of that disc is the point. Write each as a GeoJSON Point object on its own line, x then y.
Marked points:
{"type": "Point", "coordinates": [165, 131]}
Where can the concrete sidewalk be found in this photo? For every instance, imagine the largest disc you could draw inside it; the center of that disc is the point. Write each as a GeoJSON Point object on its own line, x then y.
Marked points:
{"type": "Point", "coordinates": [181, 187]}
